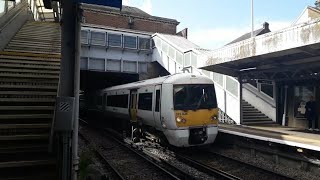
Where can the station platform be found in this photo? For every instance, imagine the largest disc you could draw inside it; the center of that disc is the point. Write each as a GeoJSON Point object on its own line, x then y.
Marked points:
{"type": "Point", "coordinates": [275, 133]}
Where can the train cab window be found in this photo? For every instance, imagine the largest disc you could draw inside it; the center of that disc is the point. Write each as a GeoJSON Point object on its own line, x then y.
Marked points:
{"type": "Point", "coordinates": [145, 101]}
{"type": "Point", "coordinates": [157, 101]}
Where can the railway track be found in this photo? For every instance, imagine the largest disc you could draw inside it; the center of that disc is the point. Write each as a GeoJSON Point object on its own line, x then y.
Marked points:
{"type": "Point", "coordinates": [241, 170]}
{"type": "Point", "coordinates": [137, 164]}
{"type": "Point", "coordinates": [174, 165]}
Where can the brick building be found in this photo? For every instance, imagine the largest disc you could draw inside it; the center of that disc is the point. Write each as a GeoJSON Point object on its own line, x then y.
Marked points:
{"type": "Point", "coordinates": [128, 18]}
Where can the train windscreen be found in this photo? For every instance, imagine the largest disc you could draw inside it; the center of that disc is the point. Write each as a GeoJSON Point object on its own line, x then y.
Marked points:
{"type": "Point", "coordinates": [194, 96]}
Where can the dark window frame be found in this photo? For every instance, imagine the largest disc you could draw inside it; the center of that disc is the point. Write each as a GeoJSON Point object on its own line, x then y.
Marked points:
{"type": "Point", "coordinates": [120, 101]}
{"type": "Point", "coordinates": [157, 101]}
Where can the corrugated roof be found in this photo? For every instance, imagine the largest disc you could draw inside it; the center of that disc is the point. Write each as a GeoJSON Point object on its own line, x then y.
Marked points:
{"type": "Point", "coordinates": [179, 42]}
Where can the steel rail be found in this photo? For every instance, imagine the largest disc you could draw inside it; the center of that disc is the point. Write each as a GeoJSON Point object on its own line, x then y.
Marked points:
{"type": "Point", "coordinates": [207, 169]}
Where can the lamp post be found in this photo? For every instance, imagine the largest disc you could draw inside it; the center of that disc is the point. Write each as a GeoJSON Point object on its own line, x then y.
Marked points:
{"type": "Point", "coordinates": [252, 26]}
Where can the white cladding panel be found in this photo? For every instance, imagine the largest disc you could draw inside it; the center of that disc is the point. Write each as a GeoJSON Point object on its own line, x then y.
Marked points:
{"type": "Point", "coordinates": [233, 107]}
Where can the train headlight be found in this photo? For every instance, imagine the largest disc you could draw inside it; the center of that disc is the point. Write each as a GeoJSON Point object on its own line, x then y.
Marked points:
{"type": "Point", "coordinates": [214, 118]}
{"type": "Point", "coordinates": [181, 120]}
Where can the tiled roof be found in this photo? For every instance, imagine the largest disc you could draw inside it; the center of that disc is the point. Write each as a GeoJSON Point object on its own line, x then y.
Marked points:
{"type": "Point", "coordinates": [128, 10]}
{"type": "Point", "coordinates": [258, 32]}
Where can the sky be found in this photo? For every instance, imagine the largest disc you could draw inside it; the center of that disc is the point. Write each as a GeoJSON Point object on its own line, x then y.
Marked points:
{"type": "Point", "coordinates": [213, 23]}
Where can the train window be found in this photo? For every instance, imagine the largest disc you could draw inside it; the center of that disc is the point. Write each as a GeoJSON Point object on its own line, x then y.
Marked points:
{"type": "Point", "coordinates": [118, 101]}
{"type": "Point", "coordinates": [157, 101]}
{"type": "Point", "coordinates": [145, 101]}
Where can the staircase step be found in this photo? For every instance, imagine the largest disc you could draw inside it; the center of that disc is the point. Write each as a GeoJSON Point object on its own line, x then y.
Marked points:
{"type": "Point", "coordinates": [24, 126]}
{"type": "Point", "coordinates": [24, 148]}
{"type": "Point", "coordinates": [22, 86]}
{"type": "Point", "coordinates": [25, 116]}
{"type": "Point", "coordinates": [27, 100]}
{"type": "Point", "coordinates": [254, 116]}
{"type": "Point", "coordinates": [27, 108]}
{"type": "Point", "coordinates": [33, 51]}
{"type": "Point", "coordinates": [26, 163]}
{"type": "Point", "coordinates": [258, 122]}
{"type": "Point", "coordinates": [24, 137]}
{"type": "Point", "coordinates": [28, 75]}
{"type": "Point", "coordinates": [257, 119]}
{"type": "Point", "coordinates": [28, 66]}
{"type": "Point", "coordinates": [35, 93]}
{"type": "Point", "coordinates": [30, 56]}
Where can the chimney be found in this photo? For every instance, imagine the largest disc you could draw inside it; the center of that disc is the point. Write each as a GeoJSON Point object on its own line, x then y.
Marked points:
{"type": "Point", "coordinates": [183, 33]}
{"type": "Point", "coordinates": [317, 3]}
{"type": "Point", "coordinates": [266, 26]}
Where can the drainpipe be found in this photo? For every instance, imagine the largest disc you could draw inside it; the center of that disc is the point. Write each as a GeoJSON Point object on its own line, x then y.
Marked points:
{"type": "Point", "coordinates": [285, 106]}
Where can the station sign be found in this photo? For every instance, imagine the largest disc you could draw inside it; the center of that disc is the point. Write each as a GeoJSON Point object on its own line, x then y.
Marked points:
{"type": "Point", "coordinates": [110, 3]}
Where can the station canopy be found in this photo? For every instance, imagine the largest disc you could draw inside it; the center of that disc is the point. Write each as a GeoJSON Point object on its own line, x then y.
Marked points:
{"type": "Point", "coordinates": [289, 54]}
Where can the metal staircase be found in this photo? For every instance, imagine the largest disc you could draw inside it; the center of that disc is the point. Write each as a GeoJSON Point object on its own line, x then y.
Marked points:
{"type": "Point", "coordinates": [29, 77]}
{"type": "Point", "coordinates": [252, 116]}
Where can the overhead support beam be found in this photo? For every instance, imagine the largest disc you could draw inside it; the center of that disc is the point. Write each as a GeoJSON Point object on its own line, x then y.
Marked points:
{"type": "Point", "coordinates": [310, 51]}
{"type": "Point", "coordinates": [223, 70]}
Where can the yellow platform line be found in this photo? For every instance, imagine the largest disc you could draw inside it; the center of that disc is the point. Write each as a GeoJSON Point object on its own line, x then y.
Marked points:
{"type": "Point", "coordinates": [29, 54]}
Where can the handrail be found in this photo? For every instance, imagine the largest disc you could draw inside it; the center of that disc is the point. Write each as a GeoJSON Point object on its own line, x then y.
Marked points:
{"type": "Point", "coordinates": [50, 147]}
{"type": "Point", "coordinates": [11, 19]}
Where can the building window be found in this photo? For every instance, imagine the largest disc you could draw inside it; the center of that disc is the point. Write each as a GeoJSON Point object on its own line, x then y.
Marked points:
{"type": "Point", "coordinates": [145, 101]}
{"type": "Point", "coordinates": [114, 40]}
{"type": "Point", "coordinates": [130, 42]}
{"type": "Point", "coordinates": [144, 43]}
{"type": "Point", "coordinates": [157, 109]}
{"type": "Point", "coordinates": [267, 89]}
{"type": "Point", "coordinates": [118, 101]}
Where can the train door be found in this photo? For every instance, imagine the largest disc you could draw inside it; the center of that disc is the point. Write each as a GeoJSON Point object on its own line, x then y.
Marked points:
{"type": "Point", "coordinates": [133, 106]}
{"type": "Point", "coordinates": [157, 103]}
{"type": "Point", "coordinates": [145, 105]}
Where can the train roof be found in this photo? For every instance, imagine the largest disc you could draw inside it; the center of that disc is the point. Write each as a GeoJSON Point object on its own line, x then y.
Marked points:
{"type": "Point", "coordinates": [175, 79]}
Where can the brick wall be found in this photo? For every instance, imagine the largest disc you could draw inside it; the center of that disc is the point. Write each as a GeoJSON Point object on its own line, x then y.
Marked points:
{"type": "Point", "coordinates": [119, 21]}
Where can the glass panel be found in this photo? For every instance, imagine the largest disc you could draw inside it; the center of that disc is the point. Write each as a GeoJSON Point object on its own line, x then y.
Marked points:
{"type": "Point", "coordinates": [302, 95]}
{"type": "Point", "coordinates": [179, 57]}
{"type": "Point", "coordinates": [84, 37]}
{"type": "Point", "coordinates": [144, 43]}
{"type": "Point", "coordinates": [232, 86]}
{"type": "Point", "coordinates": [218, 78]}
{"type": "Point", "coordinates": [118, 101]}
{"type": "Point", "coordinates": [171, 52]}
{"type": "Point", "coordinates": [2, 5]}
{"type": "Point", "coordinates": [10, 4]}
{"type": "Point", "coordinates": [267, 89]}
{"type": "Point", "coordinates": [145, 101]}
{"type": "Point", "coordinates": [114, 40]}
{"type": "Point", "coordinates": [253, 83]}
{"type": "Point", "coordinates": [206, 73]}
{"type": "Point", "coordinates": [164, 47]}
{"type": "Point", "coordinates": [130, 42]}
{"type": "Point", "coordinates": [98, 38]}
{"type": "Point", "coordinates": [157, 42]}
{"type": "Point", "coordinates": [187, 97]}
{"type": "Point", "coordinates": [18, 1]}
{"type": "Point", "coordinates": [157, 101]}
{"type": "Point", "coordinates": [193, 60]}
{"type": "Point", "coordinates": [187, 59]}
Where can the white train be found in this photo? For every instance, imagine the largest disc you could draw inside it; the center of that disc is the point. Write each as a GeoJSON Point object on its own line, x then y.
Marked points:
{"type": "Point", "coordinates": [180, 108]}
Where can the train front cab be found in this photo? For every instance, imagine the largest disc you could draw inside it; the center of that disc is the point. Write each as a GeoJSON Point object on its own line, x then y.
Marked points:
{"type": "Point", "coordinates": [194, 114]}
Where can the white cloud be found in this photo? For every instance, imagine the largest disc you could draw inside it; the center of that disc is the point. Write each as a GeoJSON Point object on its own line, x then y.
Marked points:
{"type": "Point", "coordinates": [214, 38]}
{"type": "Point", "coordinates": [144, 5]}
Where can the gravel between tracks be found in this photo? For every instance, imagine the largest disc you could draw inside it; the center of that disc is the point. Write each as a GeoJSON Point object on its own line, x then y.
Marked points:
{"type": "Point", "coordinates": [125, 161]}
{"type": "Point", "coordinates": [261, 162]}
